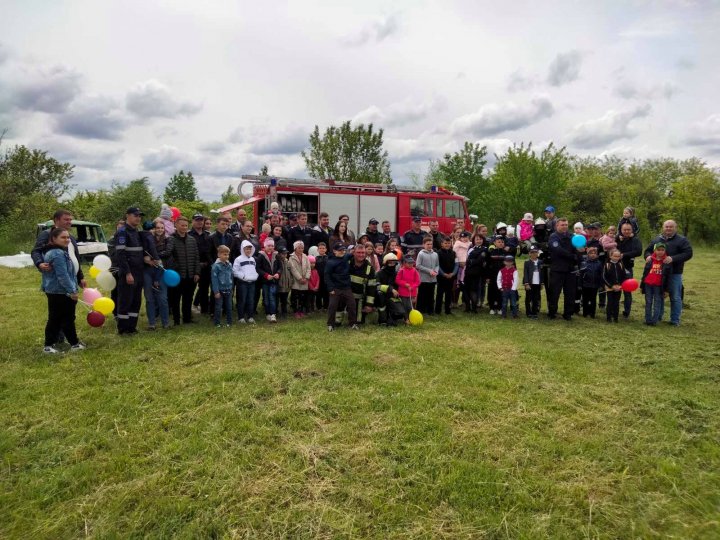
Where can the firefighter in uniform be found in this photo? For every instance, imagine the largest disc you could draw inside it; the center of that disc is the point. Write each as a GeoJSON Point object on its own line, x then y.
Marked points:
{"type": "Point", "coordinates": [412, 240]}
{"type": "Point", "coordinates": [362, 285]}
{"type": "Point", "coordinates": [129, 255]}
{"type": "Point", "coordinates": [387, 295]}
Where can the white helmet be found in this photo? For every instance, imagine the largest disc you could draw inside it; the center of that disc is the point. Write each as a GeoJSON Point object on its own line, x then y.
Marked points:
{"type": "Point", "coordinates": [500, 225]}
{"type": "Point", "coordinates": [540, 221]}
{"type": "Point", "coordinates": [510, 230]}
{"type": "Point", "coordinates": [389, 257]}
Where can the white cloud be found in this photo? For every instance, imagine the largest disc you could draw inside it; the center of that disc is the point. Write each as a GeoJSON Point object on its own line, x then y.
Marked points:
{"type": "Point", "coordinates": [565, 68]}
{"type": "Point", "coordinates": [705, 133]}
{"type": "Point", "coordinates": [613, 125]}
{"type": "Point", "coordinates": [518, 81]}
{"type": "Point", "coordinates": [655, 27]}
{"type": "Point", "coordinates": [92, 117]}
{"type": "Point", "coordinates": [630, 90]}
{"type": "Point", "coordinates": [375, 31]}
{"type": "Point", "coordinates": [44, 89]}
{"type": "Point", "coordinates": [399, 114]}
{"type": "Point", "coordinates": [152, 99]}
{"type": "Point", "coordinates": [495, 118]}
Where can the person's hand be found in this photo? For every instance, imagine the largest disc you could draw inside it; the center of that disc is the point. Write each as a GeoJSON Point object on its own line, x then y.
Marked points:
{"type": "Point", "coordinates": [395, 293]}
{"type": "Point", "coordinates": [461, 264]}
{"type": "Point", "coordinates": [157, 263]}
{"type": "Point", "coordinates": [668, 260]}
{"type": "Point", "coordinates": [367, 309]}
{"type": "Point", "coordinates": [129, 279]}
{"type": "Point", "coordinates": [527, 287]}
{"type": "Point", "coordinates": [156, 284]}
{"type": "Point", "coordinates": [83, 283]}
{"type": "Point", "coordinates": [74, 297]}
{"type": "Point", "coordinates": [617, 288]}
{"type": "Point", "coordinates": [303, 281]}
{"type": "Point", "coordinates": [218, 295]}
{"type": "Point", "coordinates": [196, 278]}
{"type": "Point", "coordinates": [332, 293]}
{"type": "Point", "coordinates": [45, 267]}
{"type": "Point", "coordinates": [647, 259]}
{"type": "Point", "coordinates": [433, 273]}
{"type": "Point", "coordinates": [276, 276]}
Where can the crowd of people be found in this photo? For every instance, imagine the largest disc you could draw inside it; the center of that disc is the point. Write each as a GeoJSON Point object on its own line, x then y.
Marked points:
{"type": "Point", "coordinates": [380, 276]}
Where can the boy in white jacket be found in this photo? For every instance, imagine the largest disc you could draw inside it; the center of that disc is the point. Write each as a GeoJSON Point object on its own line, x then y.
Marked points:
{"type": "Point", "coordinates": [507, 282]}
{"type": "Point", "coordinates": [245, 277]}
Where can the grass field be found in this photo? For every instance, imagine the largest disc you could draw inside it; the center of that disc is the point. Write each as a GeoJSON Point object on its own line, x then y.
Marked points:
{"type": "Point", "coordinates": [466, 427]}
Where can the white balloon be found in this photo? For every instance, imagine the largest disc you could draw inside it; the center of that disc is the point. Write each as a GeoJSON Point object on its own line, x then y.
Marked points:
{"type": "Point", "coordinates": [106, 280]}
{"type": "Point", "coordinates": [102, 262]}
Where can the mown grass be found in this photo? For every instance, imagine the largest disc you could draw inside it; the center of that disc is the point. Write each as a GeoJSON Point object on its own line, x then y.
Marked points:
{"type": "Point", "coordinates": [462, 428]}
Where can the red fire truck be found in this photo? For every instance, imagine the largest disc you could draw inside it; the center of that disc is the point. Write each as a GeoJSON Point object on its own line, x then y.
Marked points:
{"type": "Point", "coordinates": [397, 204]}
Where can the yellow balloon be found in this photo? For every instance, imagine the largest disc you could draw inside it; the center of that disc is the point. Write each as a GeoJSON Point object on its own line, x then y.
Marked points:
{"type": "Point", "coordinates": [104, 305]}
{"type": "Point", "coordinates": [94, 271]}
{"type": "Point", "coordinates": [415, 317]}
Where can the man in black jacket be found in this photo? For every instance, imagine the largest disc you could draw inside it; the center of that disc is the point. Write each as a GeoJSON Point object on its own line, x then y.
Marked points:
{"type": "Point", "coordinates": [372, 232]}
{"type": "Point", "coordinates": [630, 247]}
{"type": "Point", "coordinates": [678, 251]}
{"type": "Point", "coordinates": [62, 219]}
{"type": "Point", "coordinates": [322, 231]}
{"type": "Point", "coordinates": [130, 254]}
{"type": "Point", "coordinates": [302, 231]}
{"type": "Point", "coordinates": [563, 268]}
{"type": "Point", "coordinates": [186, 262]}
{"type": "Point", "coordinates": [412, 240]}
{"type": "Point", "coordinates": [202, 239]}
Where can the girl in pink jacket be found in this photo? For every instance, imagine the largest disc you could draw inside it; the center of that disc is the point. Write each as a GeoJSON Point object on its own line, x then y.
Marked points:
{"type": "Point", "coordinates": [408, 282]}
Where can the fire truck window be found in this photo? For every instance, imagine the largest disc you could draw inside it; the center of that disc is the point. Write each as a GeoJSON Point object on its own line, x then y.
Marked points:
{"type": "Point", "coordinates": [417, 207]}
{"type": "Point", "coordinates": [430, 206]}
{"type": "Point", "coordinates": [454, 209]}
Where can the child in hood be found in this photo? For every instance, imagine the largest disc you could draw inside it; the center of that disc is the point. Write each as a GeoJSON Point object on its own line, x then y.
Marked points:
{"type": "Point", "coordinates": [245, 272]}
{"type": "Point", "coordinates": [166, 217]}
{"type": "Point", "coordinates": [526, 232]}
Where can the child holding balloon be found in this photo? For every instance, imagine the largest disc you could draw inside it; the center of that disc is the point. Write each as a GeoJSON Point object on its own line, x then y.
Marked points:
{"type": "Point", "coordinates": [613, 277]}
{"type": "Point", "coordinates": [60, 286]}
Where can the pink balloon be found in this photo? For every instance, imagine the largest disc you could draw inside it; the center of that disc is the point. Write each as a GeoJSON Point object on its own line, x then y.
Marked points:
{"type": "Point", "coordinates": [90, 295]}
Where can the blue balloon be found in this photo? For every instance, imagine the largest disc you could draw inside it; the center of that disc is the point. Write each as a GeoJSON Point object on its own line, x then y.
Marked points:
{"type": "Point", "coordinates": [579, 241]}
{"type": "Point", "coordinates": [171, 278]}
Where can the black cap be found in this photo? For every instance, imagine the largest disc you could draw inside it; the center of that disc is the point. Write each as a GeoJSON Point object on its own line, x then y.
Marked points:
{"type": "Point", "coordinates": [464, 234]}
{"type": "Point", "coordinates": [339, 246]}
{"type": "Point", "coordinates": [408, 258]}
{"type": "Point", "coordinates": [509, 258]}
{"type": "Point", "coordinates": [292, 216]}
{"type": "Point", "coordinates": [282, 249]}
{"type": "Point", "coordinates": [499, 238]}
{"type": "Point", "coordinates": [198, 216]}
{"type": "Point", "coordinates": [534, 248]}
{"type": "Point", "coordinates": [417, 218]}
{"type": "Point", "coordinates": [134, 210]}
{"type": "Point", "coordinates": [148, 225]}
{"type": "Point", "coordinates": [594, 225]}
{"type": "Point", "coordinates": [373, 221]}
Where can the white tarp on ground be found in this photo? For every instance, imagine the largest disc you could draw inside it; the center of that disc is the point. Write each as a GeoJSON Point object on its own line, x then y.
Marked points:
{"type": "Point", "coordinates": [20, 260]}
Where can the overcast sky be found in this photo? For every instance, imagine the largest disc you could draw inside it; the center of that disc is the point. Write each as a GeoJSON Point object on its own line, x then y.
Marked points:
{"type": "Point", "coordinates": [147, 87]}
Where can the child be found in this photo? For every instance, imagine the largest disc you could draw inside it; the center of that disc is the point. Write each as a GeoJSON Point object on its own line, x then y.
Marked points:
{"type": "Point", "coordinates": [608, 239]}
{"type": "Point", "coordinates": [313, 284]}
{"type": "Point", "coordinates": [266, 229]}
{"type": "Point", "coordinates": [475, 273]}
{"type": "Point", "coordinates": [408, 282]}
{"type": "Point", "coordinates": [428, 265]}
{"type": "Point", "coordinates": [389, 306]}
{"type": "Point", "coordinates": [511, 242]}
{"type": "Point", "coordinates": [61, 288]}
{"type": "Point", "coordinates": [447, 260]}
{"type": "Point", "coordinates": [221, 281]}
{"type": "Point", "coordinates": [496, 257]}
{"type": "Point", "coordinates": [460, 247]}
{"type": "Point", "coordinates": [656, 284]}
{"type": "Point", "coordinates": [629, 217]}
{"type": "Point", "coordinates": [321, 258]}
{"type": "Point", "coordinates": [269, 269]}
{"type": "Point", "coordinates": [507, 283]}
{"type": "Point", "coordinates": [299, 266]}
{"type": "Point", "coordinates": [613, 277]}
{"type": "Point", "coordinates": [591, 272]}
{"type": "Point", "coordinates": [166, 217]}
{"type": "Point", "coordinates": [285, 281]}
{"type": "Point", "coordinates": [579, 228]}
{"type": "Point", "coordinates": [532, 282]}
{"type": "Point", "coordinates": [246, 275]}
{"type": "Point", "coordinates": [526, 230]}
{"type": "Point", "coordinates": [337, 279]}
{"type": "Point", "coordinates": [371, 257]}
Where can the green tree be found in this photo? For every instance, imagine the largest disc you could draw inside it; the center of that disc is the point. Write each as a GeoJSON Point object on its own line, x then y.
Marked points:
{"type": "Point", "coordinates": [229, 196]}
{"type": "Point", "coordinates": [694, 201]}
{"type": "Point", "coordinates": [122, 196]}
{"type": "Point", "coordinates": [523, 181]}
{"type": "Point", "coordinates": [181, 188]}
{"type": "Point", "coordinates": [348, 154]}
{"type": "Point", "coordinates": [463, 172]}
{"type": "Point", "coordinates": [264, 171]}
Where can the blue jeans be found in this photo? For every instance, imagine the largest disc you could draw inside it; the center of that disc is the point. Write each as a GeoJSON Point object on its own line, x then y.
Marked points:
{"type": "Point", "coordinates": [654, 303]}
{"type": "Point", "coordinates": [509, 297]}
{"type": "Point", "coordinates": [675, 299]}
{"type": "Point", "coordinates": [224, 302]}
{"type": "Point", "coordinates": [156, 299]}
{"type": "Point", "coordinates": [246, 301]}
{"type": "Point", "coordinates": [269, 292]}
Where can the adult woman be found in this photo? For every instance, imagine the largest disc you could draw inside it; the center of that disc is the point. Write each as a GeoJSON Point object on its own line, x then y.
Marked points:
{"type": "Point", "coordinates": [61, 288]}
{"type": "Point", "coordinates": [156, 297]}
{"type": "Point", "coordinates": [278, 238]}
{"type": "Point", "coordinates": [340, 235]}
{"type": "Point", "coordinates": [299, 266]}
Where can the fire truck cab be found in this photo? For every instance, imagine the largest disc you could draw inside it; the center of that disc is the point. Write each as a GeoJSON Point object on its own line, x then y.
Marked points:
{"type": "Point", "coordinates": [360, 201]}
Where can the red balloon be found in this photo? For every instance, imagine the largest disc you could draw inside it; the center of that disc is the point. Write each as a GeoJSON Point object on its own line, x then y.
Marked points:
{"type": "Point", "coordinates": [175, 213]}
{"type": "Point", "coordinates": [95, 319]}
{"type": "Point", "coordinates": [630, 285]}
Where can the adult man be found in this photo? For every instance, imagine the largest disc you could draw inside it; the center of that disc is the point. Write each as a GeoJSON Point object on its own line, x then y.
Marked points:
{"type": "Point", "coordinates": [202, 239]}
{"type": "Point", "coordinates": [302, 231]}
{"type": "Point", "coordinates": [550, 219]}
{"type": "Point", "coordinates": [292, 221]}
{"type": "Point", "coordinates": [129, 253]}
{"type": "Point", "coordinates": [562, 267]}
{"type": "Point", "coordinates": [337, 279]}
{"type": "Point", "coordinates": [362, 282]}
{"type": "Point", "coordinates": [387, 232]}
{"type": "Point", "coordinates": [630, 247]}
{"type": "Point", "coordinates": [678, 251]}
{"type": "Point", "coordinates": [186, 262]}
{"type": "Point", "coordinates": [240, 218]}
{"type": "Point", "coordinates": [372, 232]}
{"type": "Point", "coordinates": [437, 236]}
{"type": "Point", "coordinates": [61, 219]}
{"type": "Point", "coordinates": [594, 233]}
{"type": "Point", "coordinates": [412, 240]}
{"type": "Point", "coordinates": [322, 231]}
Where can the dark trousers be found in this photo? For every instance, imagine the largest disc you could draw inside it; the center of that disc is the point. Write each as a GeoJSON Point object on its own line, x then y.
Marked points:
{"type": "Point", "coordinates": [532, 300]}
{"type": "Point", "coordinates": [654, 303]}
{"type": "Point", "coordinates": [627, 303]}
{"type": "Point", "coordinates": [184, 291]}
{"type": "Point", "coordinates": [342, 299]}
{"type": "Point", "coordinates": [444, 295]}
{"type": "Point", "coordinates": [246, 298]}
{"type": "Point", "coordinates": [282, 298]}
{"type": "Point", "coordinates": [493, 295]}
{"type": "Point", "coordinates": [202, 296]}
{"type": "Point", "coordinates": [129, 301]}
{"type": "Point", "coordinates": [565, 283]}
{"type": "Point", "coordinates": [509, 297]}
{"type": "Point", "coordinates": [589, 300]}
{"type": "Point", "coordinates": [613, 305]}
{"type": "Point", "coordinates": [298, 300]}
{"type": "Point", "coordinates": [322, 299]}
{"type": "Point", "coordinates": [61, 318]}
{"type": "Point", "coordinates": [426, 295]}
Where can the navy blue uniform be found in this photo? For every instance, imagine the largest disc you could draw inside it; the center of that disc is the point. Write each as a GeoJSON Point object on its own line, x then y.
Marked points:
{"type": "Point", "coordinates": [563, 279]}
{"type": "Point", "coordinates": [129, 253]}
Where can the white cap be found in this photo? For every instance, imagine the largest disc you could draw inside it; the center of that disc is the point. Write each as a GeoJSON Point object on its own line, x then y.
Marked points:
{"type": "Point", "coordinates": [528, 215]}
{"type": "Point", "coordinates": [500, 225]}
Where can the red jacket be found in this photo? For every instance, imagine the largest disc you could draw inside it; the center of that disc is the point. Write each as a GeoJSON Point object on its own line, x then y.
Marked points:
{"type": "Point", "coordinates": [405, 277]}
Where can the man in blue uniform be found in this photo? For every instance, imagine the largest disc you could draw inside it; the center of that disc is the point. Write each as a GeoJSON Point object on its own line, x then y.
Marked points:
{"type": "Point", "coordinates": [563, 265]}
{"type": "Point", "coordinates": [129, 254]}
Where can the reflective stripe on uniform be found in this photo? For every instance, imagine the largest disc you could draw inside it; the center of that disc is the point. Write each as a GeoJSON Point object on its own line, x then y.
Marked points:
{"type": "Point", "coordinates": [122, 316]}
{"type": "Point", "coordinates": [139, 248]}
{"type": "Point", "coordinates": [132, 314]}
{"type": "Point", "coordinates": [118, 248]}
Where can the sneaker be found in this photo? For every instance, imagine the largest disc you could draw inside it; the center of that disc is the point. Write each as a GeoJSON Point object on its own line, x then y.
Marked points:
{"type": "Point", "coordinates": [269, 318]}
{"type": "Point", "coordinates": [251, 321]}
{"type": "Point", "coordinates": [79, 346]}
{"type": "Point", "coordinates": [273, 318]}
{"type": "Point", "coordinates": [151, 327]}
{"type": "Point", "coordinates": [331, 328]}
{"type": "Point", "coordinates": [218, 325]}
{"type": "Point", "coordinates": [241, 321]}
{"type": "Point", "coordinates": [354, 327]}
{"type": "Point", "coordinates": [492, 312]}
{"type": "Point", "coordinates": [50, 350]}
{"type": "Point", "coordinates": [228, 325]}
